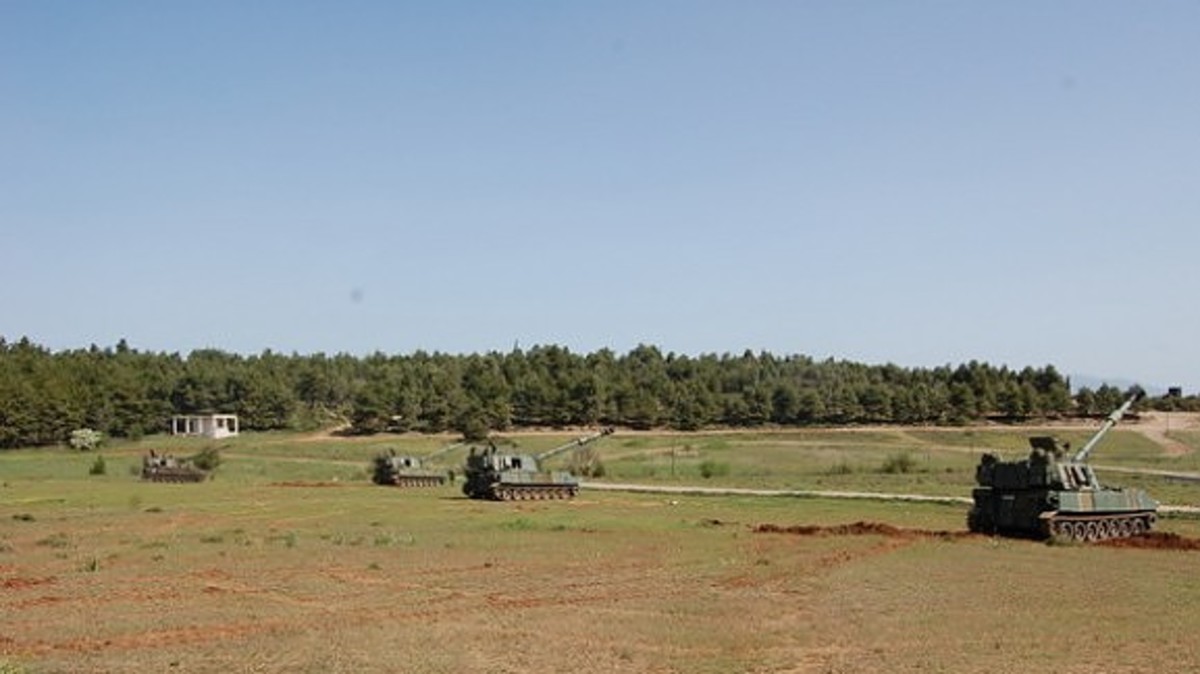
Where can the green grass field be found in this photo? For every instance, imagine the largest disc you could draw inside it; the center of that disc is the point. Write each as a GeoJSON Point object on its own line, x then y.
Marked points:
{"type": "Point", "coordinates": [289, 560]}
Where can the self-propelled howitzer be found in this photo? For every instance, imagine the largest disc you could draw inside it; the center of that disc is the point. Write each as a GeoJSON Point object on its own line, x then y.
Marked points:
{"type": "Point", "coordinates": [167, 468]}
{"type": "Point", "coordinates": [408, 471]}
{"type": "Point", "coordinates": [1050, 493]}
{"type": "Point", "coordinates": [492, 474]}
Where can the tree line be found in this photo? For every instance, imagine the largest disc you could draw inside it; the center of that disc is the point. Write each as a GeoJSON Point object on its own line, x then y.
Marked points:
{"type": "Point", "coordinates": [123, 392]}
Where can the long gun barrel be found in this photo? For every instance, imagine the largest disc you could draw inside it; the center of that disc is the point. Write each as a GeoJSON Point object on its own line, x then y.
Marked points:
{"type": "Point", "coordinates": [1111, 421]}
{"type": "Point", "coordinates": [446, 449]}
{"type": "Point", "coordinates": [578, 442]}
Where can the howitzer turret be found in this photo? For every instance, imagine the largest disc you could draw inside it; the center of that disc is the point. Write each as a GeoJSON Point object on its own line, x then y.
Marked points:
{"type": "Point", "coordinates": [492, 474]}
{"type": "Point", "coordinates": [408, 471]}
{"type": "Point", "coordinates": [1050, 494]}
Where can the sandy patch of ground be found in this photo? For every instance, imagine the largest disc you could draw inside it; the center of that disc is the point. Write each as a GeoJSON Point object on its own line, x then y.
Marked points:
{"type": "Point", "coordinates": [1159, 425]}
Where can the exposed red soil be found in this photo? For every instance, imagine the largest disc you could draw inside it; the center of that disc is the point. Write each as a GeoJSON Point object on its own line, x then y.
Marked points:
{"type": "Point", "coordinates": [1155, 540]}
{"type": "Point", "coordinates": [860, 529]}
{"type": "Point", "coordinates": [155, 639]}
{"type": "Point", "coordinates": [22, 583]}
{"type": "Point", "coordinates": [39, 601]}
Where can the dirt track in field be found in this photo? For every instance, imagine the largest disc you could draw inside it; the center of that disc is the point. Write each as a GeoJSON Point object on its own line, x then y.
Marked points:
{"type": "Point", "coordinates": [1158, 425]}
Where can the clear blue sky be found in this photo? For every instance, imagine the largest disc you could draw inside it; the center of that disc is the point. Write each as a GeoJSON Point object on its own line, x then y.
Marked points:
{"type": "Point", "coordinates": [918, 183]}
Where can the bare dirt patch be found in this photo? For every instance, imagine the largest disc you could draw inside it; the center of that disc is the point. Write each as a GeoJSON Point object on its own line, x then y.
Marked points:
{"type": "Point", "coordinates": [861, 529]}
{"type": "Point", "coordinates": [1155, 540]}
{"type": "Point", "coordinates": [1158, 425]}
{"type": "Point", "coordinates": [23, 583]}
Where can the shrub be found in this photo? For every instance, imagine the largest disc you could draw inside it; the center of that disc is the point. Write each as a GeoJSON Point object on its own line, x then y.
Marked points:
{"type": "Point", "coordinates": [901, 462]}
{"type": "Point", "coordinates": [59, 540]}
{"type": "Point", "coordinates": [586, 462]}
{"type": "Point", "coordinates": [98, 467]}
{"type": "Point", "coordinates": [86, 439]}
{"type": "Point", "coordinates": [387, 540]}
{"type": "Point", "coordinates": [206, 459]}
{"type": "Point", "coordinates": [710, 468]}
{"type": "Point", "coordinates": [473, 427]}
{"type": "Point", "coordinates": [841, 468]}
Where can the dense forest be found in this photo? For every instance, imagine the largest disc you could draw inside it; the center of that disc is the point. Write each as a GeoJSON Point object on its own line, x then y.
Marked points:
{"type": "Point", "coordinates": [123, 392]}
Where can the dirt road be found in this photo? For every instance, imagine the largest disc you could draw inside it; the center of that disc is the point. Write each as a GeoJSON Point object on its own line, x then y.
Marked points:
{"type": "Point", "coordinates": [804, 493]}
{"type": "Point", "coordinates": [1159, 425]}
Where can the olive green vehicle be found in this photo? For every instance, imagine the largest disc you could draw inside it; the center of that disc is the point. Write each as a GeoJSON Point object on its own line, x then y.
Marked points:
{"type": "Point", "coordinates": [1049, 494]}
{"type": "Point", "coordinates": [408, 471]}
{"type": "Point", "coordinates": [495, 475]}
{"type": "Point", "coordinates": [167, 468]}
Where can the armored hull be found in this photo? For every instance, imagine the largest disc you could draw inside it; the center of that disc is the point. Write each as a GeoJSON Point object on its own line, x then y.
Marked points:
{"type": "Point", "coordinates": [512, 485]}
{"type": "Point", "coordinates": [169, 469]}
{"type": "Point", "coordinates": [509, 477]}
{"type": "Point", "coordinates": [416, 480]}
{"type": "Point", "coordinates": [491, 474]}
{"type": "Point", "coordinates": [175, 475]}
{"type": "Point", "coordinates": [403, 471]}
{"type": "Point", "coordinates": [1079, 515]}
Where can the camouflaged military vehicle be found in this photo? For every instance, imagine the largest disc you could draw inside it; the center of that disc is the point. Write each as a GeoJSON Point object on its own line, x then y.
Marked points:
{"type": "Point", "coordinates": [492, 474]}
{"type": "Point", "coordinates": [408, 471]}
{"type": "Point", "coordinates": [167, 468]}
{"type": "Point", "coordinates": [1051, 494]}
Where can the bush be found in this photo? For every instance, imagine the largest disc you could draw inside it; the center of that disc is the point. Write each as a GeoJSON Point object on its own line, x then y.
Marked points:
{"type": "Point", "coordinates": [710, 468]}
{"type": "Point", "coordinates": [473, 427]}
{"type": "Point", "coordinates": [86, 439]}
{"type": "Point", "coordinates": [207, 459]}
{"type": "Point", "coordinates": [57, 541]}
{"type": "Point", "coordinates": [98, 467]}
{"type": "Point", "coordinates": [841, 468]}
{"type": "Point", "coordinates": [899, 463]}
{"type": "Point", "coordinates": [585, 462]}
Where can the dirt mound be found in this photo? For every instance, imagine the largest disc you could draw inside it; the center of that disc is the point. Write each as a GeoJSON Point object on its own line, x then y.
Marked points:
{"type": "Point", "coordinates": [22, 583]}
{"type": "Point", "coordinates": [1155, 540]}
{"type": "Point", "coordinates": [859, 529]}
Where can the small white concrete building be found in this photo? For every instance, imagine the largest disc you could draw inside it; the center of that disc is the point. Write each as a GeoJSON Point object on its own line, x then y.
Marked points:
{"type": "Point", "coordinates": [206, 425]}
